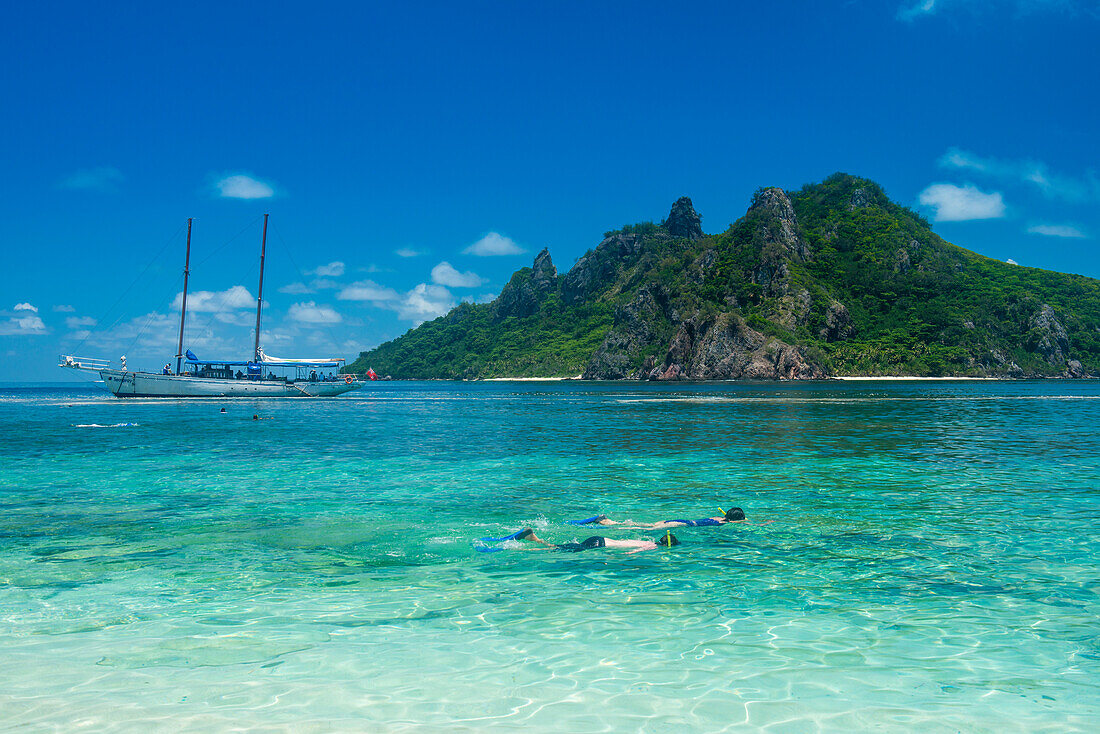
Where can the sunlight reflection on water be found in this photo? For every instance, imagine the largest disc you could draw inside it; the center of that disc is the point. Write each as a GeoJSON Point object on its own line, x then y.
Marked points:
{"type": "Point", "coordinates": [930, 560]}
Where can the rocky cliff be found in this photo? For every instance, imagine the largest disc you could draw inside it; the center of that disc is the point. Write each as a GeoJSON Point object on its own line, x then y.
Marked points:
{"type": "Point", "coordinates": [831, 279]}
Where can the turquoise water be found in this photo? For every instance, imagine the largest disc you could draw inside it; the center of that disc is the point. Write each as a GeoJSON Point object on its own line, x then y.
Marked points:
{"type": "Point", "coordinates": [931, 560]}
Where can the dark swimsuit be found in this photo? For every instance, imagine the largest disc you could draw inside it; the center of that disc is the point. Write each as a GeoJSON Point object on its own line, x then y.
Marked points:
{"type": "Point", "coordinates": [595, 541]}
{"type": "Point", "coordinates": [705, 522]}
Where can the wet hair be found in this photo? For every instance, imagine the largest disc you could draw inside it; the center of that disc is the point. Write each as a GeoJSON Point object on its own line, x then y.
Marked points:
{"type": "Point", "coordinates": [668, 539]}
{"type": "Point", "coordinates": [735, 513]}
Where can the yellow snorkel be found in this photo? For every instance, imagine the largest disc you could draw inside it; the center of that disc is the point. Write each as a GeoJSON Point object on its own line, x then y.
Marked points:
{"type": "Point", "coordinates": [668, 538]}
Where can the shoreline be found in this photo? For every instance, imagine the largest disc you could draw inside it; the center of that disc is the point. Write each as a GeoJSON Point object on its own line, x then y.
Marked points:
{"type": "Point", "coordinates": [578, 378]}
{"type": "Point", "coordinates": [886, 378]}
{"type": "Point", "coordinates": [526, 379]}
{"type": "Point", "coordinates": [845, 378]}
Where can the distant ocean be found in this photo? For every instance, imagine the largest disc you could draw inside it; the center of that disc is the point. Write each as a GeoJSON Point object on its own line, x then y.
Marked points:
{"type": "Point", "coordinates": [921, 556]}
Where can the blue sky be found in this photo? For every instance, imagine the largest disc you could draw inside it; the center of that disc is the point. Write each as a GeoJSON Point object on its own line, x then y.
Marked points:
{"type": "Point", "coordinates": [413, 155]}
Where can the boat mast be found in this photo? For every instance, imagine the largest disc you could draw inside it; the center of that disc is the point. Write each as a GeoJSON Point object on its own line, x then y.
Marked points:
{"type": "Point", "coordinates": [183, 306]}
{"type": "Point", "coordinates": [260, 291]}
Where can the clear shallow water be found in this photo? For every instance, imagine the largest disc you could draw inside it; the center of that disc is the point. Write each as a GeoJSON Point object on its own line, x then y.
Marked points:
{"type": "Point", "coordinates": [932, 562]}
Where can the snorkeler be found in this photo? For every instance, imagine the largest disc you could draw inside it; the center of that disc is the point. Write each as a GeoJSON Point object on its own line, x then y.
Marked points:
{"type": "Point", "coordinates": [598, 541]}
{"type": "Point", "coordinates": [734, 514]}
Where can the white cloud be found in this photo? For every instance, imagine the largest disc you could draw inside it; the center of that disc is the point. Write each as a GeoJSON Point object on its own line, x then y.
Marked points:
{"type": "Point", "coordinates": [425, 302]}
{"type": "Point", "coordinates": [279, 336]}
{"type": "Point", "coordinates": [1010, 261]}
{"type": "Point", "coordinates": [62, 308]}
{"type": "Point", "coordinates": [75, 322]}
{"type": "Point", "coordinates": [408, 252]}
{"type": "Point", "coordinates": [243, 186]}
{"type": "Point", "coordinates": [24, 322]}
{"type": "Point", "coordinates": [494, 244]}
{"type": "Point", "coordinates": [104, 178]}
{"type": "Point", "coordinates": [1057, 230]}
{"type": "Point", "coordinates": [152, 331]}
{"type": "Point", "coordinates": [368, 290]}
{"type": "Point", "coordinates": [911, 10]}
{"type": "Point", "coordinates": [445, 274]}
{"type": "Point", "coordinates": [958, 158]}
{"type": "Point", "coordinates": [1034, 173]}
{"type": "Point", "coordinates": [215, 301]}
{"type": "Point", "coordinates": [915, 10]}
{"type": "Point", "coordinates": [237, 318]}
{"type": "Point", "coordinates": [311, 313]}
{"type": "Point", "coordinates": [148, 340]}
{"type": "Point", "coordinates": [332, 270]}
{"type": "Point", "coordinates": [22, 326]}
{"type": "Point", "coordinates": [960, 203]}
{"type": "Point", "coordinates": [296, 289]}
{"type": "Point", "coordinates": [323, 284]}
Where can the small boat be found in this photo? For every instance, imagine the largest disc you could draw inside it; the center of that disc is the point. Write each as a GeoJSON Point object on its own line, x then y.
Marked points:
{"type": "Point", "coordinates": [259, 377]}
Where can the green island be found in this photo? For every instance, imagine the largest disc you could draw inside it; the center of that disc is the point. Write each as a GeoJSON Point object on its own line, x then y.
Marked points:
{"type": "Point", "coordinates": [832, 280]}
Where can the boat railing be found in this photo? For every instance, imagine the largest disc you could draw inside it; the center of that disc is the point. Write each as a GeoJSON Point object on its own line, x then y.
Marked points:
{"type": "Point", "coordinates": [82, 363]}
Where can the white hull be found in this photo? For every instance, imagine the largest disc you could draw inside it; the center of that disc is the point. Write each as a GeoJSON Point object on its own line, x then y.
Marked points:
{"type": "Point", "coordinates": [150, 385]}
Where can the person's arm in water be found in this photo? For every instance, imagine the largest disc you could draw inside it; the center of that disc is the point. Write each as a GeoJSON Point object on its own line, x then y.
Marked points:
{"type": "Point", "coordinates": [637, 545]}
{"type": "Point", "coordinates": [734, 514]}
{"type": "Point", "coordinates": [626, 524]}
{"type": "Point", "coordinates": [666, 541]}
{"type": "Point", "coordinates": [662, 525]}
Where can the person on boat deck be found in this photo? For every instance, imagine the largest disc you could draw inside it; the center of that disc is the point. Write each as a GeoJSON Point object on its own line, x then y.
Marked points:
{"type": "Point", "coordinates": [598, 541]}
{"type": "Point", "coordinates": [239, 374]}
{"type": "Point", "coordinates": [734, 514]}
{"type": "Point", "coordinates": [167, 369]}
{"type": "Point", "coordinates": [313, 375]}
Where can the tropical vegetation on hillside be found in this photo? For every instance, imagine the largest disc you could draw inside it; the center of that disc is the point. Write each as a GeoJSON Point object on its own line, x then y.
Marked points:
{"type": "Point", "coordinates": [833, 279]}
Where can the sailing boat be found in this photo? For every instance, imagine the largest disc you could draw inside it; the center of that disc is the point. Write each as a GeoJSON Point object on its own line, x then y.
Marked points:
{"type": "Point", "coordinates": [259, 377]}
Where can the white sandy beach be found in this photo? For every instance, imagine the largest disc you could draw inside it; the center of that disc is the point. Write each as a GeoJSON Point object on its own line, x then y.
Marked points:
{"type": "Point", "coordinates": [529, 379]}
{"type": "Point", "coordinates": [912, 379]}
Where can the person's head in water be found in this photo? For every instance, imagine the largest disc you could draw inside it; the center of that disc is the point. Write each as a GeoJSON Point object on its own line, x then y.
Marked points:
{"type": "Point", "coordinates": [735, 513]}
{"type": "Point", "coordinates": [255, 417]}
{"type": "Point", "coordinates": [668, 539]}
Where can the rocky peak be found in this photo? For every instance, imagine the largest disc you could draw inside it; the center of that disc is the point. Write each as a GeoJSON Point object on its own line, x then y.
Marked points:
{"type": "Point", "coordinates": [543, 272]}
{"type": "Point", "coordinates": [773, 200]}
{"type": "Point", "coordinates": [522, 295]}
{"type": "Point", "coordinates": [779, 228]}
{"type": "Point", "coordinates": [683, 220]}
